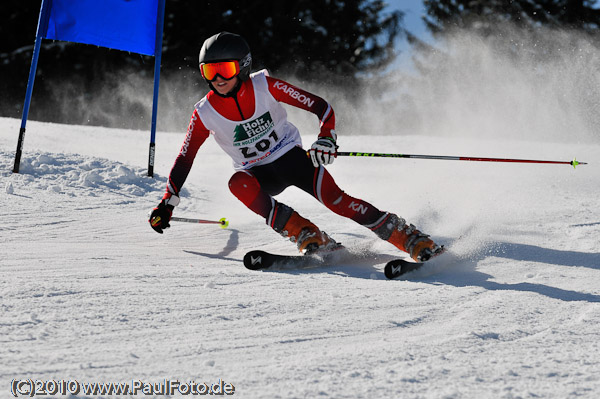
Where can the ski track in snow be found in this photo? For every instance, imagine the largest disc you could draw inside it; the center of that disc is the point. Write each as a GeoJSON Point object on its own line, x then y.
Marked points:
{"type": "Point", "coordinates": [89, 292]}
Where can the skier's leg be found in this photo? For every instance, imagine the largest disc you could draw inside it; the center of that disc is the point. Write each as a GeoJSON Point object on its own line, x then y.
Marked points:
{"type": "Point", "coordinates": [283, 219]}
{"type": "Point", "coordinates": [387, 226]}
{"type": "Point", "coordinates": [247, 189]}
{"type": "Point", "coordinates": [329, 194]}
{"type": "Point", "coordinates": [405, 237]}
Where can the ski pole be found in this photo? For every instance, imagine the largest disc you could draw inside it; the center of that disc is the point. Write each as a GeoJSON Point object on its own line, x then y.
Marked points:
{"type": "Point", "coordinates": [573, 163]}
{"type": "Point", "coordinates": [223, 222]}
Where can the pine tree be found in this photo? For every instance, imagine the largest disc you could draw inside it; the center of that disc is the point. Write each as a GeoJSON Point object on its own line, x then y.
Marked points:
{"type": "Point", "coordinates": [485, 15]}
{"type": "Point", "coordinates": [315, 40]}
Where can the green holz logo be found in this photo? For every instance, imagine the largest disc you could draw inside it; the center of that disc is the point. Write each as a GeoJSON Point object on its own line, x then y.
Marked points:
{"type": "Point", "coordinates": [249, 132]}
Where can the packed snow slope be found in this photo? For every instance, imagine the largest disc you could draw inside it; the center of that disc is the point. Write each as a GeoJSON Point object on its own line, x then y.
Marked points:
{"type": "Point", "coordinates": [89, 292]}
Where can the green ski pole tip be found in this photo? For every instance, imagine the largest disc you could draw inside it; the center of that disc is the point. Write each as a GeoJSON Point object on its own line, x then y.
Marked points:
{"type": "Point", "coordinates": [224, 223]}
{"type": "Point", "coordinates": [575, 162]}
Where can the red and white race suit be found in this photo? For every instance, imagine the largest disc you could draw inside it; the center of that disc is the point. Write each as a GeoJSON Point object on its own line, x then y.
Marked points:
{"type": "Point", "coordinates": [251, 126]}
{"type": "Point", "coordinates": [262, 137]}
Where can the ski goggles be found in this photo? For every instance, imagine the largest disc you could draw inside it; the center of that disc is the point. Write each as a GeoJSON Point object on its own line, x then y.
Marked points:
{"type": "Point", "coordinates": [226, 69]}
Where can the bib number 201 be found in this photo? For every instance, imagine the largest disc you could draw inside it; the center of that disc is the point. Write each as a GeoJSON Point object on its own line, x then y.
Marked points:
{"type": "Point", "coordinates": [260, 146]}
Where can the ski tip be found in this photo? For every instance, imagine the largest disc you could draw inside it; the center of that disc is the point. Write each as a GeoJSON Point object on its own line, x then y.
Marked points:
{"type": "Point", "coordinates": [253, 260]}
{"type": "Point", "coordinates": [398, 267]}
{"type": "Point", "coordinates": [389, 272]}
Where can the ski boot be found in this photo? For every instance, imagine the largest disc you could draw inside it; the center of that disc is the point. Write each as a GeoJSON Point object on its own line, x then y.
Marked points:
{"type": "Point", "coordinates": [307, 237]}
{"type": "Point", "coordinates": [407, 238]}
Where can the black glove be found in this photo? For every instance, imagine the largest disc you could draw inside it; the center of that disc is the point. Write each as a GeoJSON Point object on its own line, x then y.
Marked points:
{"type": "Point", "coordinates": [161, 215]}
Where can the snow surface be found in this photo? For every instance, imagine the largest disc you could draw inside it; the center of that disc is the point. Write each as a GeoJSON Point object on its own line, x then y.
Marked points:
{"type": "Point", "coordinates": [89, 292]}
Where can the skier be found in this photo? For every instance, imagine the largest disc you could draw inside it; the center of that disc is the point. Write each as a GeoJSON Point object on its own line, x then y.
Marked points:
{"type": "Point", "coordinates": [244, 114]}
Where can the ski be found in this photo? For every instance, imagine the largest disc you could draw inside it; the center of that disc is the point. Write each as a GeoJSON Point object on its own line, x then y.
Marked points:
{"type": "Point", "coordinates": [399, 267]}
{"type": "Point", "coordinates": [260, 260]}
{"type": "Point", "coordinates": [263, 260]}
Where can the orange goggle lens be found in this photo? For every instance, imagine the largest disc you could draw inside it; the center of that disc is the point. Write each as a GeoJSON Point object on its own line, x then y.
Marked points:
{"type": "Point", "coordinates": [227, 70]}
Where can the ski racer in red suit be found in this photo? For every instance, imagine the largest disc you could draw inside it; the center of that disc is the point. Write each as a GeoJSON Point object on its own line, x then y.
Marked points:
{"type": "Point", "coordinates": [243, 113]}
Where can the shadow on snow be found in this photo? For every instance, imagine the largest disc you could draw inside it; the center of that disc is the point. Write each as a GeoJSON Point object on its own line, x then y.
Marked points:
{"type": "Point", "coordinates": [532, 253]}
{"type": "Point", "coordinates": [459, 273]}
{"type": "Point", "coordinates": [463, 273]}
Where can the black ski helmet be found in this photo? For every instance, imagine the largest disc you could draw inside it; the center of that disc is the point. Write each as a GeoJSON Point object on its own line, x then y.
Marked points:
{"type": "Point", "coordinates": [227, 46]}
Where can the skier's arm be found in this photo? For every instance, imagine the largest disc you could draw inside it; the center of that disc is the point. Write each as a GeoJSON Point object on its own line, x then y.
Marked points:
{"type": "Point", "coordinates": [324, 150]}
{"type": "Point", "coordinates": [197, 134]}
{"type": "Point", "coordinates": [195, 137]}
{"type": "Point", "coordinates": [292, 95]}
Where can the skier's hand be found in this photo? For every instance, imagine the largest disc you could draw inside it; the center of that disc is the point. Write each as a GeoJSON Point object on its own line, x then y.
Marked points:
{"type": "Point", "coordinates": [323, 151]}
{"type": "Point", "coordinates": [161, 215]}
